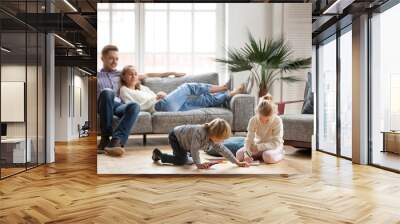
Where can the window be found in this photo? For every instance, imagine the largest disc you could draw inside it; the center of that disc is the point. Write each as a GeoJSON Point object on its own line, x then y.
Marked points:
{"type": "Point", "coordinates": [385, 88]}
{"type": "Point", "coordinates": [23, 90]}
{"type": "Point", "coordinates": [327, 96]}
{"type": "Point", "coordinates": [116, 25]}
{"type": "Point", "coordinates": [164, 36]}
{"type": "Point", "coordinates": [335, 107]}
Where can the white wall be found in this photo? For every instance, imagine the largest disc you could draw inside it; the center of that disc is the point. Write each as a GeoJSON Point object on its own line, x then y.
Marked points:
{"type": "Point", "coordinates": [70, 83]}
{"type": "Point", "coordinates": [33, 127]}
{"type": "Point", "coordinates": [240, 17]}
{"type": "Point", "coordinates": [297, 30]}
{"type": "Point", "coordinates": [292, 21]}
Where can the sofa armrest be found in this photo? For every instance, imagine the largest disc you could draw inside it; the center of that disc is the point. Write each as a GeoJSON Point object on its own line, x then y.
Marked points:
{"type": "Point", "coordinates": [281, 105]}
{"type": "Point", "coordinates": [242, 107]}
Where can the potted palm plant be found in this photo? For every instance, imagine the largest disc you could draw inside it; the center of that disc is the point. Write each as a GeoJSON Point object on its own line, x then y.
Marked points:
{"type": "Point", "coordinates": [267, 60]}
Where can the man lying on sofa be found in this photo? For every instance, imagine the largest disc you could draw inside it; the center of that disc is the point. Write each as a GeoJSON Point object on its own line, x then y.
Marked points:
{"type": "Point", "coordinates": [109, 104]}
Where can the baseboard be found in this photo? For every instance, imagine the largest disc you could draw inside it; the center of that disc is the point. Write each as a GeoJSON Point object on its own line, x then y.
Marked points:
{"type": "Point", "coordinates": [298, 144]}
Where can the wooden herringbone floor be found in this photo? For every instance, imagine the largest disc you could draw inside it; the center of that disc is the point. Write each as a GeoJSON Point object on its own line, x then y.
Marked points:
{"type": "Point", "coordinates": [70, 191]}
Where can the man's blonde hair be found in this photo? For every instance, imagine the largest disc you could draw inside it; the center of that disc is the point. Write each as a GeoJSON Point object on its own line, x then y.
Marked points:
{"type": "Point", "coordinates": [218, 128]}
{"type": "Point", "coordinates": [266, 107]}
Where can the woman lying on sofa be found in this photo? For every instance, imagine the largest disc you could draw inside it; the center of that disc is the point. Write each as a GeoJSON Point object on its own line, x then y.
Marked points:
{"type": "Point", "coordinates": [180, 99]}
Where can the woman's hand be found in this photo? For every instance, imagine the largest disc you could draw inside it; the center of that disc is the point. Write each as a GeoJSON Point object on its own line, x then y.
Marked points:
{"type": "Point", "coordinates": [161, 95]}
{"type": "Point", "coordinates": [242, 164]}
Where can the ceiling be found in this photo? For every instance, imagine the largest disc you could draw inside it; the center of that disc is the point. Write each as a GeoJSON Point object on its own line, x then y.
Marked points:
{"type": "Point", "coordinates": [76, 21]}
{"type": "Point", "coordinates": [330, 15]}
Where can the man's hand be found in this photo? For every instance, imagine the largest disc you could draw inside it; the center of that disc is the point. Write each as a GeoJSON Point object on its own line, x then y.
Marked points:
{"type": "Point", "coordinates": [161, 95]}
{"type": "Point", "coordinates": [178, 74]}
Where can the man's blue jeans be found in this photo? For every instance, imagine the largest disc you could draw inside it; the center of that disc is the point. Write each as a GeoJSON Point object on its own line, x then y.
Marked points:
{"type": "Point", "coordinates": [128, 114]}
{"type": "Point", "coordinates": [181, 99]}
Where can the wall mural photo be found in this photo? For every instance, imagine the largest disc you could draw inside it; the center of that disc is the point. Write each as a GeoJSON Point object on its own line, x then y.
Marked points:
{"type": "Point", "coordinates": [191, 89]}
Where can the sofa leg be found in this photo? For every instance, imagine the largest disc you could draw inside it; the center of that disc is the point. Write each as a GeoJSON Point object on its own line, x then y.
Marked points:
{"type": "Point", "coordinates": [144, 139]}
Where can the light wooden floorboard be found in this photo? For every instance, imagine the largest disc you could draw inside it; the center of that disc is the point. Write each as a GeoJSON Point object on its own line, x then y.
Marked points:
{"type": "Point", "coordinates": [70, 191]}
{"type": "Point", "coordinates": [387, 159]}
{"type": "Point", "coordinates": [137, 160]}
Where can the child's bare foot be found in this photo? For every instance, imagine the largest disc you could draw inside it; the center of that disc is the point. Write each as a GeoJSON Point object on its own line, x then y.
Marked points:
{"type": "Point", "coordinates": [239, 90]}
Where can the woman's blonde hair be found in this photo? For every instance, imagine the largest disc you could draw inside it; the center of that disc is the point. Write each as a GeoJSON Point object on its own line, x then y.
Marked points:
{"type": "Point", "coordinates": [123, 73]}
{"type": "Point", "coordinates": [218, 128]}
{"type": "Point", "coordinates": [266, 107]}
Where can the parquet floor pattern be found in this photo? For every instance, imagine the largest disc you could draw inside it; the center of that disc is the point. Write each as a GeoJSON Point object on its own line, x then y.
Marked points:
{"type": "Point", "coordinates": [70, 191]}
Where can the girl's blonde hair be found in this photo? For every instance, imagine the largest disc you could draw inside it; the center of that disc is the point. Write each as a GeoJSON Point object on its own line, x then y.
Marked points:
{"type": "Point", "coordinates": [266, 107]}
{"type": "Point", "coordinates": [218, 128]}
{"type": "Point", "coordinates": [123, 73]}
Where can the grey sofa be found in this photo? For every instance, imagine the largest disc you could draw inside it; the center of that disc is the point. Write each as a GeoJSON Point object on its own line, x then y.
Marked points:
{"type": "Point", "coordinates": [298, 129]}
{"type": "Point", "coordinates": [237, 112]}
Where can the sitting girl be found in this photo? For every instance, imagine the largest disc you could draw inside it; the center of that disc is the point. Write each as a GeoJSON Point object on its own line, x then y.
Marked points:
{"type": "Point", "coordinates": [194, 138]}
{"type": "Point", "coordinates": [178, 100]}
{"type": "Point", "coordinates": [264, 139]}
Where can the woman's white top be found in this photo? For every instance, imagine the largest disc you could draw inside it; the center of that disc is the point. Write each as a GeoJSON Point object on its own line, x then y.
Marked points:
{"type": "Point", "coordinates": [143, 96]}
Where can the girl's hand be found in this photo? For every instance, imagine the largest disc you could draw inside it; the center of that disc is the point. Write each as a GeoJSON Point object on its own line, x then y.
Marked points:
{"type": "Point", "coordinates": [248, 159]}
{"type": "Point", "coordinates": [242, 164]}
{"type": "Point", "coordinates": [253, 149]}
{"type": "Point", "coordinates": [204, 165]}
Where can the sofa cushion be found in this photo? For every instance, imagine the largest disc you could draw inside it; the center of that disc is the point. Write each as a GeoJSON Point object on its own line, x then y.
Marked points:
{"type": "Point", "coordinates": [163, 122]}
{"type": "Point", "coordinates": [143, 124]}
{"type": "Point", "coordinates": [169, 84]}
{"type": "Point", "coordinates": [298, 127]}
{"type": "Point", "coordinates": [217, 112]}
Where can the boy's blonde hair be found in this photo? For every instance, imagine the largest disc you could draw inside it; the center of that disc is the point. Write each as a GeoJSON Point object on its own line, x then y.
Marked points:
{"type": "Point", "coordinates": [218, 128]}
{"type": "Point", "coordinates": [266, 107]}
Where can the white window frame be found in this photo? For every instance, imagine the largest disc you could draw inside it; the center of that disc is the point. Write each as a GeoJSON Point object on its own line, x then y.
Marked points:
{"type": "Point", "coordinates": [110, 11]}
{"type": "Point", "coordinates": [140, 34]}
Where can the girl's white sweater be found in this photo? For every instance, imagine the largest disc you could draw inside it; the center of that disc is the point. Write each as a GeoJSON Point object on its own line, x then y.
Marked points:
{"type": "Point", "coordinates": [266, 136]}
